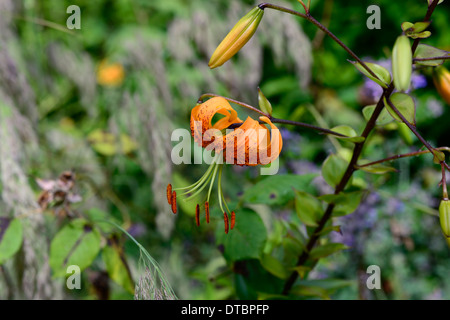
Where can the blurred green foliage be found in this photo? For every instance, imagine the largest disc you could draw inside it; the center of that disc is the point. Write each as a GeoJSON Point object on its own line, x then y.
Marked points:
{"type": "Point", "coordinates": [117, 140]}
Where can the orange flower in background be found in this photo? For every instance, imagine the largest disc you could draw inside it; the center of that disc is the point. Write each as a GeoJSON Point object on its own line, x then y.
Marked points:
{"type": "Point", "coordinates": [441, 79]}
{"type": "Point", "coordinates": [234, 141]}
{"type": "Point", "coordinates": [110, 74]}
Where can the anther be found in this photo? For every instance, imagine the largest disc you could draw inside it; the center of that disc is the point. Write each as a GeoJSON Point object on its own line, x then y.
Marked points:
{"type": "Point", "coordinates": [207, 211]}
{"type": "Point", "coordinates": [174, 202]}
{"type": "Point", "coordinates": [197, 215]}
{"type": "Point", "coordinates": [225, 219]}
{"type": "Point", "coordinates": [169, 194]}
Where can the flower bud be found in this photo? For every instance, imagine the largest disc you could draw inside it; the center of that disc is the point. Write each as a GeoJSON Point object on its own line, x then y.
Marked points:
{"type": "Point", "coordinates": [441, 79]}
{"type": "Point", "coordinates": [402, 63]}
{"type": "Point", "coordinates": [236, 38]}
{"type": "Point", "coordinates": [444, 217]}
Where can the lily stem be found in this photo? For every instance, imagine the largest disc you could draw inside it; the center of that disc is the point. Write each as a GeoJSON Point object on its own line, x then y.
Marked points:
{"type": "Point", "coordinates": [311, 19]}
{"type": "Point", "coordinates": [399, 156]}
{"type": "Point", "coordinates": [303, 258]}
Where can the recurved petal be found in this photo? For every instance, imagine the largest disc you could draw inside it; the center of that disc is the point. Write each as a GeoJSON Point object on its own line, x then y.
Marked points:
{"type": "Point", "coordinates": [202, 115]}
{"type": "Point", "coordinates": [253, 143]}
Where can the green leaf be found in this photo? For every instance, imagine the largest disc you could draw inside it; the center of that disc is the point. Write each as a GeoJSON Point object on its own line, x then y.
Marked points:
{"type": "Point", "coordinates": [116, 266]}
{"type": "Point", "coordinates": [100, 218]}
{"type": "Point", "coordinates": [384, 77]}
{"type": "Point", "coordinates": [10, 238]}
{"type": "Point", "coordinates": [333, 169]}
{"type": "Point", "coordinates": [310, 291]}
{"type": "Point", "coordinates": [277, 189]}
{"type": "Point", "coordinates": [302, 270]}
{"type": "Point", "coordinates": [345, 202]}
{"type": "Point", "coordinates": [405, 133]}
{"type": "Point", "coordinates": [421, 35]}
{"type": "Point", "coordinates": [246, 240]}
{"type": "Point", "coordinates": [407, 25]}
{"type": "Point", "coordinates": [349, 132]}
{"type": "Point", "coordinates": [324, 286]}
{"type": "Point", "coordinates": [75, 244]}
{"type": "Point", "coordinates": [308, 208]}
{"type": "Point", "coordinates": [376, 168]}
{"type": "Point", "coordinates": [383, 119]}
{"type": "Point", "coordinates": [424, 51]}
{"type": "Point", "coordinates": [329, 229]}
{"type": "Point", "coordinates": [254, 280]}
{"type": "Point", "coordinates": [326, 250]}
{"type": "Point", "coordinates": [417, 27]}
{"type": "Point", "coordinates": [274, 266]}
{"type": "Point", "coordinates": [264, 104]}
{"type": "Point", "coordinates": [405, 105]}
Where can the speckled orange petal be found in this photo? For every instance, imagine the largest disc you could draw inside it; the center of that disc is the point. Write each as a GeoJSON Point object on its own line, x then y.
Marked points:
{"type": "Point", "coordinates": [274, 143]}
{"type": "Point", "coordinates": [251, 145]}
{"type": "Point", "coordinates": [203, 114]}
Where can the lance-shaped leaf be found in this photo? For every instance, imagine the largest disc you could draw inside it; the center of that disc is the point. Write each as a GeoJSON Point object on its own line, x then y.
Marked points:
{"type": "Point", "coordinates": [417, 27]}
{"type": "Point", "coordinates": [117, 267]}
{"type": "Point", "coordinates": [77, 243]}
{"type": "Point", "coordinates": [247, 239]}
{"type": "Point", "coordinates": [376, 168]}
{"type": "Point", "coordinates": [405, 105]}
{"type": "Point", "coordinates": [10, 238]}
{"type": "Point", "coordinates": [333, 169]}
{"type": "Point", "coordinates": [278, 189]}
{"type": "Point", "coordinates": [383, 119]}
{"type": "Point", "coordinates": [308, 208]}
{"type": "Point", "coordinates": [345, 202]}
{"type": "Point", "coordinates": [264, 104]}
{"type": "Point", "coordinates": [425, 51]}
{"type": "Point", "coordinates": [274, 266]}
{"type": "Point", "coordinates": [326, 250]}
{"type": "Point", "coordinates": [420, 35]}
{"type": "Point", "coordinates": [383, 76]}
{"type": "Point", "coordinates": [349, 133]}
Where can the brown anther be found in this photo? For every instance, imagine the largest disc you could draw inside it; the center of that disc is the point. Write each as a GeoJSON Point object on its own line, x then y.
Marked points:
{"type": "Point", "coordinates": [169, 194]}
{"type": "Point", "coordinates": [197, 215]}
{"type": "Point", "coordinates": [225, 219]}
{"type": "Point", "coordinates": [233, 220]}
{"type": "Point", "coordinates": [174, 202]}
{"type": "Point", "coordinates": [207, 211]}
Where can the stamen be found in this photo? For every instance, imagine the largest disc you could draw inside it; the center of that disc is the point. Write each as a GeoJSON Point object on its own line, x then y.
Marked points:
{"type": "Point", "coordinates": [197, 215]}
{"type": "Point", "coordinates": [233, 219]}
{"type": "Point", "coordinates": [174, 202]}
{"type": "Point", "coordinates": [207, 211]}
{"type": "Point", "coordinates": [225, 219]}
{"type": "Point", "coordinates": [169, 194]}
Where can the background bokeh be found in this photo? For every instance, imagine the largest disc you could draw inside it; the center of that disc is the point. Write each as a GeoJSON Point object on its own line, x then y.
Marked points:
{"type": "Point", "coordinates": [103, 101]}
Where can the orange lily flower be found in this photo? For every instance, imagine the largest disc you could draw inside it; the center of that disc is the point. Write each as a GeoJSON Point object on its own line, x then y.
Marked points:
{"type": "Point", "coordinates": [250, 143]}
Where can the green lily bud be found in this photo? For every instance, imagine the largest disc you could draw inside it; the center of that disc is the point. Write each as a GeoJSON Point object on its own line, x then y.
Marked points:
{"type": "Point", "coordinates": [237, 37]}
{"type": "Point", "coordinates": [402, 63]}
{"type": "Point", "coordinates": [444, 217]}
